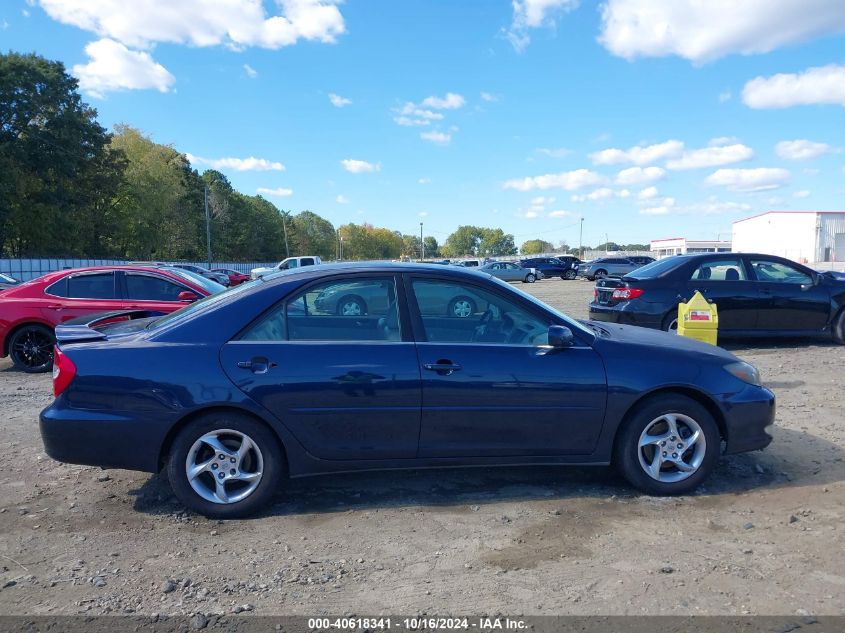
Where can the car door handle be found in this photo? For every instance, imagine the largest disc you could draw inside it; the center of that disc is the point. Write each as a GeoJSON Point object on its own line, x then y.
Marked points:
{"type": "Point", "coordinates": [442, 368]}
{"type": "Point", "coordinates": [257, 364]}
{"type": "Point", "coordinates": [55, 307]}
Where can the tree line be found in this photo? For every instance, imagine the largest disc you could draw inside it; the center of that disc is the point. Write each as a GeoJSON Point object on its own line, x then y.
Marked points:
{"type": "Point", "coordinates": [71, 188]}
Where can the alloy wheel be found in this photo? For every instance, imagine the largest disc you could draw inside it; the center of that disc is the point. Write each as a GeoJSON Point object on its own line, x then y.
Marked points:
{"type": "Point", "coordinates": [671, 448]}
{"type": "Point", "coordinates": [462, 308]}
{"type": "Point", "coordinates": [33, 349]}
{"type": "Point", "coordinates": [224, 466]}
{"type": "Point", "coordinates": [351, 308]}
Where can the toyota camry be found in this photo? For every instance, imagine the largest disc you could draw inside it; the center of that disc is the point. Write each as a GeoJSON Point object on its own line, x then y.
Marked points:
{"type": "Point", "coordinates": [238, 391]}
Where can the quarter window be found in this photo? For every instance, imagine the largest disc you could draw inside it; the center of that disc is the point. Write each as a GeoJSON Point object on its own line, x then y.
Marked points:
{"type": "Point", "coordinates": [728, 269]}
{"type": "Point", "coordinates": [460, 313]}
{"type": "Point", "coordinates": [772, 271]}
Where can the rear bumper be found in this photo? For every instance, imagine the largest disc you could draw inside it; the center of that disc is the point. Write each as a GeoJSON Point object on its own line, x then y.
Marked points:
{"type": "Point", "coordinates": [623, 314]}
{"type": "Point", "coordinates": [100, 438]}
{"type": "Point", "coordinates": [749, 416]}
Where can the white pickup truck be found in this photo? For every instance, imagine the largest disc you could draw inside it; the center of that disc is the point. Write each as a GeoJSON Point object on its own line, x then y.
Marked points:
{"type": "Point", "coordinates": [286, 264]}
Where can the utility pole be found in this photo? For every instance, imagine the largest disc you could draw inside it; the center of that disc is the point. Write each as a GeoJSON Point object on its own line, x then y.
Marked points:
{"type": "Point", "coordinates": [581, 239]}
{"type": "Point", "coordinates": [207, 227]}
{"type": "Point", "coordinates": [606, 244]}
{"type": "Point", "coordinates": [285, 229]}
{"type": "Point", "coordinates": [422, 244]}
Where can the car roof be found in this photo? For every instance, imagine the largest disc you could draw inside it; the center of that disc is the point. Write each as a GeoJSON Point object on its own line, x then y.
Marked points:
{"type": "Point", "coordinates": [375, 267]}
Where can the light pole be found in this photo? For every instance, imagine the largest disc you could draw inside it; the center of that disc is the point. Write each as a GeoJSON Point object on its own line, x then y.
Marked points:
{"type": "Point", "coordinates": [422, 244]}
{"type": "Point", "coordinates": [207, 227]}
{"type": "Point", "coordinates": [581, 239]}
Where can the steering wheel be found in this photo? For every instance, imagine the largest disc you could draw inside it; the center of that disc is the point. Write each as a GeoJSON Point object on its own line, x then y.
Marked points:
{"type": "Point", "coordinates": [481, 328]}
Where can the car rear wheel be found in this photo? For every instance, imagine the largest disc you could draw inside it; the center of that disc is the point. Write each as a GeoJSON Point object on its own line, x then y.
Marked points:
{"type": "Point", "coordinates": [31, 348]}
{"type": "Point", "coordinates": [569, 274]}
{"type": "Point", "coordinates": [530, 278]}
{"type": "Point", "coordinates": [225, 465]}
{"type": "Point", "coordinates": [668, 446]}
{"type": "Point", "coordinates": [600, 274]}
{"type": "Point", "coordinates": [670, 323]}
{"type": "Point", "coordinates": [351, 306]}
{"type": "Point", "coordinates": [461, 307]}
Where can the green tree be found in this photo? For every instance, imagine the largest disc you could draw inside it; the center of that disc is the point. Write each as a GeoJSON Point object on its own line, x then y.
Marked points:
{"type": "Point", "coordinates": [535, 247]}
{"type": "Point", "coordinates": [314, 235]}
{"type": "Point", "coordinates": [432, 248]}
{"type": "Point", "coordinates": [52, 152]}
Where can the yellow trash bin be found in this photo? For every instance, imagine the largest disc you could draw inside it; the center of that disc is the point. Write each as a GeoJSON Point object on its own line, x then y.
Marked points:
{"type": "Point", "coordinates": [698, 319]}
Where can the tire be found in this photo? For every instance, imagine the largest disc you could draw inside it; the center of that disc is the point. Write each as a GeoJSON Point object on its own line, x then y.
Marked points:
{"type": "Point", "coordinates": [600, 274]}
{"type": "Point", "coordinates": [670, 322]}
{"type": "Point", "coordinates": [649, 420]}
{"type": "Point", "coordinates": [838, 328]}
{"type": "Point", "coordinates": [351, 305]}
{"type": "Point", "coordinates": [31, 349]}
{"type": "Point", "coordinates": [461, 307]}
{"type": "Point", "coordinates": [569, 274]}
{"type": "Point", "coordinates": [265, 457]}
{"type": "Point", "coordinates": [530, 278]}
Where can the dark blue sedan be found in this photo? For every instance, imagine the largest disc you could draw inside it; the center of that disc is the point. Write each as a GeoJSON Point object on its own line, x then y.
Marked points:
{"type": "Point", "coordinates": [239, 390]}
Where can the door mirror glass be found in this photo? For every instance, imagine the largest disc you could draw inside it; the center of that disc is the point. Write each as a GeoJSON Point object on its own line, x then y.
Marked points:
{"type": "Point", "coordinates": [187, 295]}
{"type": "Point", "coordinates": [560, 336]}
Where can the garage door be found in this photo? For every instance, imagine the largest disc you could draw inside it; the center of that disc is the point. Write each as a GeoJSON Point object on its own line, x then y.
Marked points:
{"type": "Point", "coordinates": [839, 248]}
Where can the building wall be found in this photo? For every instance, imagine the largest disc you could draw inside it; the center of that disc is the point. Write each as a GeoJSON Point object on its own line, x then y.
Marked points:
{"type": "Point", "coordinates": [790, 235]}
{"type": "Point", "coordinates": [831, 243]}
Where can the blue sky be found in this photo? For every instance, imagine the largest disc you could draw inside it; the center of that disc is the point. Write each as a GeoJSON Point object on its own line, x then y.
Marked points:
{"type": "Point", "coordinates": [646, 118]}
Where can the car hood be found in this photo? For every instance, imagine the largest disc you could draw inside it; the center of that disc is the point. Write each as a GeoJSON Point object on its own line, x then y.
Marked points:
{"type": "Point", "coordinates": [647, 337]}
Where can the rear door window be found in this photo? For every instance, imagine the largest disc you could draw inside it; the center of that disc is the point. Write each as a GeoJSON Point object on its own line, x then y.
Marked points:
{"type": "Point", "coordinates": [150, 288]}
{"type": "Point", "coordinates": [727, 269]}
{"type": "Point", "coordinates": [91, 286]}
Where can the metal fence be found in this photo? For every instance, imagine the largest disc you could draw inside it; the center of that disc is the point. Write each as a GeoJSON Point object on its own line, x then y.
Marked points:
{"type": "Point", "coordinates": [26, 269]}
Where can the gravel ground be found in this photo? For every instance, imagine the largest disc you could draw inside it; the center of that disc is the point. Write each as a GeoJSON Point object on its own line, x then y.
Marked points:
{"type": "Point", "coordinates": [765, 536]}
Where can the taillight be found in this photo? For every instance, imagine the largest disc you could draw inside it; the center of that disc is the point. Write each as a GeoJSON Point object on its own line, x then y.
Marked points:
{"type": "Point", "coordinates": [64, 371]}
{"type": "Point", "coordinates": [596, 294]}
{"type": "Point", "coordinates": [627, 293]}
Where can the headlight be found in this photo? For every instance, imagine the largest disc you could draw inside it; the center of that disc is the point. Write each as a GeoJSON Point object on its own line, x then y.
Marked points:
{"type": "Point", "coordinates": [746, 372]}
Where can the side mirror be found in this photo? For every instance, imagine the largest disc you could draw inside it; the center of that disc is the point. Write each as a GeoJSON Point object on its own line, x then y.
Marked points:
{"type": "Point", "coordinates": [560, 336]}
{"type": "Point", "coordinates": [188, 296]}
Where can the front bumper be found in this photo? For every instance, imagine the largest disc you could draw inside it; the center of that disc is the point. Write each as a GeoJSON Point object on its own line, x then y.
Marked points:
{"type": "Point", "coordinates": [749, 416]}
{"type": "Point", "coordinates": [101, 438]}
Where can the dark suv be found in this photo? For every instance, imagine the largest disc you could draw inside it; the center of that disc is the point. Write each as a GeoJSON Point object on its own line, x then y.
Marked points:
{"type": "Point", "coordinates": [564, 266]}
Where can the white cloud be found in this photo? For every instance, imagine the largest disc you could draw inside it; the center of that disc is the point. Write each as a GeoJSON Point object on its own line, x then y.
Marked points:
{"type": "Point", "coordinates": [602, 193]}
{"type": "Point", "coordinates": [489, 97]}
{"type": "Point", "coordinates": [281, 192]}
{"type": "Point", "coordinates": [568, 180]}
{"type": "Point", "coordinates": [237, 164]}
{"type": "Point", "coordinates": [647, 193]}
{"type": "Point", "coordinates": [424, 181]}
{"type": "Point", "coordinates": [748, 180]}
{"type": "Point", "coordinates": [435, 136]}
{"type": "Point", "coordinates": [638, 155]}
{"type": "Point", "coordinates": [811, 172]}
{"type": "Point", "coordinates": [113, 67]}
{"type": "Point", "coordinates": [711, 156]}
{"type": "Point", "coordinates": [410, 114]}
{"type": "Point", "coordinates": [821, 85]}
{"type": "Point", "coordinates": [804, 193]}
{"type": "Point", "coordinates": [724, 96]}
{"type": "Point", "coordinates": [703, 31]}
{"type": "Point", "coordinates": [529, 215]}
{"type": "Point", "coordinates": [423, 214]}
{"type": "Point", "coordinates": [4, 25]}
{"type": "Point", "coordinates": [542, 200]}
{"type": "Point", "coordinates": [451, 101]}
{"type": "Point", "coordinates": [639, 175]}
{"type": "Point", "coordinates": [338, 101]}
{"type": "Point", "coordinates": [250, 71]}
{"type": "Point", "coordinates": [560, 213]}
{"type": "Point", "coordinates": [341, 199]}
{"type": "Point", "coordinates": [532, 14]}
{"type": "Point", "coordinates": [713, 206]}
{"type": "Point", "coordinates": [554, 152]}
{"type": "Point", "coordinates": [660, 210]}
{"type": "Point", "coordinates": [354, 166]}
{"type": "Point", "coordinates": [801, 149]}
{"type": "Point", "coordinates": [234, 23]}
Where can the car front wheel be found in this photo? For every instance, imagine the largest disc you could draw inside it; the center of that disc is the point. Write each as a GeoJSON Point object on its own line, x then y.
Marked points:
{"type": "Point", "coordinates": [569, 274]}
{"type": "Point", "coordinates": [225, 465]}
{"type": "Point", "coordinates": [668, 446]}
{"type": "Point", "coordinates": [530, 278]}
{"type": "Point", "coordinates": [839, 328]}
{"type": "Point", "coordinates": [31, 348]}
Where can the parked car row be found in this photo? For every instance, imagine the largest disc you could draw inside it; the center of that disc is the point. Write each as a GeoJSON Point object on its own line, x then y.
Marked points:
{"type": "Point", "coordinates": [612, 266]}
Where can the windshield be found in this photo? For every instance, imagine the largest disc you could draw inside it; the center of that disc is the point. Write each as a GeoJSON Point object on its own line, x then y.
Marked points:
{"type": "Point", "coordinates": [211, 286]}
{"type": "Point", "coordinates": [656, 269]}
{"type": "Point", "coordinates": [572, 323]}
{"type": "Point", "coordinates": [202, 303]}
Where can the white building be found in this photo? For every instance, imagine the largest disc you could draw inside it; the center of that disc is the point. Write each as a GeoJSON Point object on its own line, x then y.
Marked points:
{"type": "Point", "coordinates": [681, 246]}
{"type": "Point", "coordinates": [802, 236]}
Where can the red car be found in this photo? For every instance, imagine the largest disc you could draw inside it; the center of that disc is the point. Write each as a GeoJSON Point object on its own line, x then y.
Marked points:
{"type": "Point", "coordinates": [235, 277]}
{"type": "Point", "coordinates": [30, 311]}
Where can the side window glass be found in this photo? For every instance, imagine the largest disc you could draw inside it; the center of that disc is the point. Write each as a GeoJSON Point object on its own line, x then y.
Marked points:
{"type": "Point", "coordinates": [307, 261]}
{"type": "Point", "coordinates": [460, 313]}
{"type": "Point", "coordinates": [728, 269]}
{"type": "Point", "coordinates": [91, 286]}
{"type": "Point", "coordinates": [149, 288]}
{"type": "Point", "coordinates": [767, 270]}
{"type": "Point", "coordinates": [363, 309]}
{"type": "Point", "coordinates": [58, 289]}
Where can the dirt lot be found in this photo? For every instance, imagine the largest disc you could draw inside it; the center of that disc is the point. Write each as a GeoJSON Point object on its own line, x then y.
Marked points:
{"type": "Point", "coordinates": [765, 536]}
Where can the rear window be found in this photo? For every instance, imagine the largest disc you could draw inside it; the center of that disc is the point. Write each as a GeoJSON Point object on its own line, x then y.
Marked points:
{"type": "Point", "coordinates": [656, 269]}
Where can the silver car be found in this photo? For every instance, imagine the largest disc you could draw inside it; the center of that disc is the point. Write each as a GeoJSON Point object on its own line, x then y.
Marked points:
{"type": "Point", "coordinates": [509, 271]}
{"type": "Point", "coordinates": [611, 266]}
